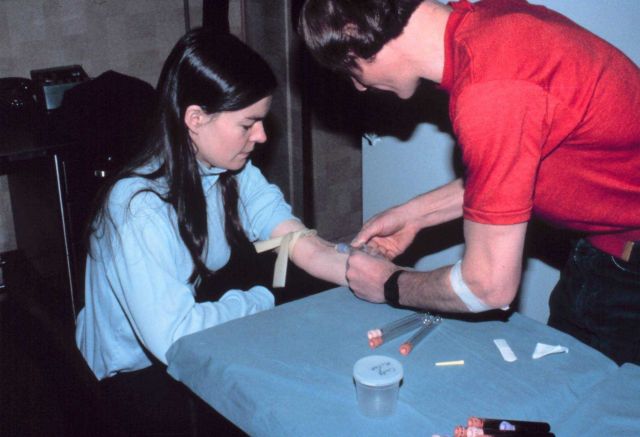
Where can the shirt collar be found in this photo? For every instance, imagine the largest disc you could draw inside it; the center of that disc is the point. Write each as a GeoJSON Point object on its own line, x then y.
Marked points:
{"type": "Point", "coordinates": [460, 10]}
{"type": "Point", "coordinates": [208, 170]}
{"type": "Point", "coordinates": [209, 175]}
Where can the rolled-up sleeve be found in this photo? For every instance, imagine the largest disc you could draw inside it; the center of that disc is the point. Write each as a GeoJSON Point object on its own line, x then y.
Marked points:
{"type": "Point", "coordinates": [262, 204]}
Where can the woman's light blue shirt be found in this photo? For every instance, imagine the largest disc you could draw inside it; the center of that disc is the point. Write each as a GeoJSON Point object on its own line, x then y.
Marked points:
{"type": "Point", "coordinates": [137, 293]}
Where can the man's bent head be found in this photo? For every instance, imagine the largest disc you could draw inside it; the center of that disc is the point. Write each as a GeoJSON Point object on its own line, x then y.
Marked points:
{"type": "Point", "coordinates": [338, 32]}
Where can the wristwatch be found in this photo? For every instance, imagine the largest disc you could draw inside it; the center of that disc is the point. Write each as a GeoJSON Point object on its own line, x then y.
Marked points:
{"type": "Point", "coordinates": [391, 292]}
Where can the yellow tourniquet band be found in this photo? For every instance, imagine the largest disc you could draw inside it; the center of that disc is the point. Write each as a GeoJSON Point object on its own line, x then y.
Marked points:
{"type": "Point", "coordinates": [286, 244]}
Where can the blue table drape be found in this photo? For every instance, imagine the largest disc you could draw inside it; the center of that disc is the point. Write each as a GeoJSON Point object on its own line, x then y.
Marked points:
{"type": "Point", "coordinates": [288, 371]}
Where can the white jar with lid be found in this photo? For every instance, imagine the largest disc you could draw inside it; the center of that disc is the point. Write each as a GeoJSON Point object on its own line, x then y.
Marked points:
{"type": "Point", "coordinates": [377, 379]}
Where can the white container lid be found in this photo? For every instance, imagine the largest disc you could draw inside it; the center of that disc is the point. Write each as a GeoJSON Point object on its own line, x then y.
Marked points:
{"type": "Point", "coordinates": [377, 371]}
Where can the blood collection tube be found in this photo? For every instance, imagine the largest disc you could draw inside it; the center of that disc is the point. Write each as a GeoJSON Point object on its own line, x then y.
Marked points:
{"type": "Point", "coordinates": [343, 248]}
{"type": "Point", "coordinates": [508, 425]}
{"type": "Point", "coordinates": [395, 329]}
{"type": "Point", "coordinates": [347, 248]}
{"type": "Point", "coordinates": [472, 431]}
{"type": "Point", "coordinates": [428, 323]}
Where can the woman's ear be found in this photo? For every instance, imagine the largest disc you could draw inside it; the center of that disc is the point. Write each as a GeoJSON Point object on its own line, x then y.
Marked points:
{"type": "Point", "coordinates": [194, 117]}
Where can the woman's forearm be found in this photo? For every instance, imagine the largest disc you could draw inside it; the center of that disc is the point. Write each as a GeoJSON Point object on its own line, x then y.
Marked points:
{"type": "Point", "coordinates": [315, 255]}
{"type": "Point", "coordinates": [319, 258]}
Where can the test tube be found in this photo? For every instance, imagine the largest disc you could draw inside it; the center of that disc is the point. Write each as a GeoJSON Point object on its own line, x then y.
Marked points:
{"type": "Point", "coordinates": [343, 248]}
{"type": "Point", "coordinates": [508, 425]}
{"type": "Point", "coordinates": [347, 249]}
{"type": "Point", "coordinates": [396, 328]}
{"type": "Point", "coordinates": [407, 346]}
{"type": "Point", "coordinates": [461, 431]}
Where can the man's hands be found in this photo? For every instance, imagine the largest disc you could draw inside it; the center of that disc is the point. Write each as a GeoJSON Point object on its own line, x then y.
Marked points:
{"type": "Point", "coordinates": [388, 233]}
{"type": "Point", "coordinates": [492, 260]}
{"type": "Point", "coordinates": [393, 230]}
{"type": "Point", "coordinates": [386, 236]}
{"type": "Point", "coordinates": [366, 275]}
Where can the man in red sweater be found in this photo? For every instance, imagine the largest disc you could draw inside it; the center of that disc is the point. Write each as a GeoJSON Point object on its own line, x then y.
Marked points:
{"type": "Point", "coordinates": [547, 116]}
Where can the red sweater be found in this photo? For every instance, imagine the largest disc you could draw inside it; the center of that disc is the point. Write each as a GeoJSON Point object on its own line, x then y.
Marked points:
{"type": "Point", "coordinates": [548, 118]}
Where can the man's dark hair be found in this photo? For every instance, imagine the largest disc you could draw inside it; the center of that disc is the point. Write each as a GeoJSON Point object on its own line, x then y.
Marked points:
{"type": "Point", "coordinates": [339, 31]}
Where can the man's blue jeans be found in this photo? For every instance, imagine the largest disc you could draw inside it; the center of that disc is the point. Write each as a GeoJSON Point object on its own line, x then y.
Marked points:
{"type": "Point", "coordinates": [597, 300]}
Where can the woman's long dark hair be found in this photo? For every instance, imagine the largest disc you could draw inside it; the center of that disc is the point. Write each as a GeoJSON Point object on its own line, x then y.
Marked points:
{"type": "Point", "coordinates": [217, 72]}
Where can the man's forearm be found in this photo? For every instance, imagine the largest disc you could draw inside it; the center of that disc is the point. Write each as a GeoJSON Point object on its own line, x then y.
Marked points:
{"type": "Point", "coordinates": [438, 206]}
{"type": "Point", "coordinates": [430, 291]}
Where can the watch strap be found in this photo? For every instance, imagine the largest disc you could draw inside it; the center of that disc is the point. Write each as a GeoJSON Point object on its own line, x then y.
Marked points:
{"type": "Point", "coordinates": [391, 290]}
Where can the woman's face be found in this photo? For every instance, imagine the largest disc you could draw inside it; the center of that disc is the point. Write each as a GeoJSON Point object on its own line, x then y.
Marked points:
{"type": "Point", "coordinates": [226, 139]}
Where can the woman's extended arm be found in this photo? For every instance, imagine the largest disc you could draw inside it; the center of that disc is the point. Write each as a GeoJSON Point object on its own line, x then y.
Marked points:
{"type": "Point", "coordinates": [314, 255]}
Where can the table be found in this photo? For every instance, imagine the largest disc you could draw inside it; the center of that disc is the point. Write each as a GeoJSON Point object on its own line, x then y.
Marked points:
{"type": "Point", "coordinates": [288, 371]}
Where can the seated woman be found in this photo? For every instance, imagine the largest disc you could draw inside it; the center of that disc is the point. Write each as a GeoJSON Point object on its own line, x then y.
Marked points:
{"type": "Point", "coordinates": [172, 219]}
